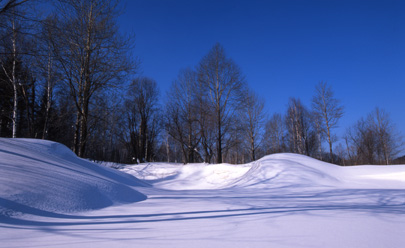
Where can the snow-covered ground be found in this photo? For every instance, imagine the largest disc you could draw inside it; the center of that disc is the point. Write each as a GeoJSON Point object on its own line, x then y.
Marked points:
{"type": "Point", "coordinates": [51, 198]}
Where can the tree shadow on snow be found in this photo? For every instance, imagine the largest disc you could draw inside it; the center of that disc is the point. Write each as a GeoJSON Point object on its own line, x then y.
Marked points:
{"type": "Point", "coordinates": [248, 203]}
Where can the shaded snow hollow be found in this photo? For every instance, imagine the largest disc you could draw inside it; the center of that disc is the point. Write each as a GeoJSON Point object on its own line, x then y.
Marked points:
{"type": "Point", "coordinates": [39, 175]}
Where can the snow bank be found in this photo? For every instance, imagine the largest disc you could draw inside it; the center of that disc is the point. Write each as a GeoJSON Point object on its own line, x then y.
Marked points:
{"type": "Point", "coordinates": [38, 176]}
{"type": "Point", "coordinates": [187, 177]}
{"type": "Point", "coordinates": [273, 171]}
{"type": "Point", "coordinates": [284, 170]}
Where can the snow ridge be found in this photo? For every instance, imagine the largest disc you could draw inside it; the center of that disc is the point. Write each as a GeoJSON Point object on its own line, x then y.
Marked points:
{"type": "Point", "coordinates": [38, 175]}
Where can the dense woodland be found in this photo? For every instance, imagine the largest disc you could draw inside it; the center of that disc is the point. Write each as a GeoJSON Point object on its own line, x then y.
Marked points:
{"type": "Point", "coordinates": [69, 76]}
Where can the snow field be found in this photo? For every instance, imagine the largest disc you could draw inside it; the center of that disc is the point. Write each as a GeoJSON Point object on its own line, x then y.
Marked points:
{"type": "Point", "coordinates": [51, 198]}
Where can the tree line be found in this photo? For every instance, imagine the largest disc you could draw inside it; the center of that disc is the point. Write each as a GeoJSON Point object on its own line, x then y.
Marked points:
{"type": "Point", "coordinates": [70, 77]}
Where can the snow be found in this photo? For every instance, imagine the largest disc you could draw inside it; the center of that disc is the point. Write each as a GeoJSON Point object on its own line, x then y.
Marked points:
{"type": "Point", "coordinates": [39, 175]}
{"type": "Point", "coordinates": [51, 198]}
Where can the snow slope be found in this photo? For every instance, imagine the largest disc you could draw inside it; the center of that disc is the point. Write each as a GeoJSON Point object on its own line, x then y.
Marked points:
{"type": "Point", "coordinates": [281, 200]}
{"type": "Point", "coordinates": [37, 175]}
{"type": "Point", "coordinates": [273, 171]}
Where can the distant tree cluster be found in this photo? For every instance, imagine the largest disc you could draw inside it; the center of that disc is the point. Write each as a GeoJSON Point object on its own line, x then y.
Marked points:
{"type": "Point", "coordinates": [210, 113]}
{"type": "Point", "coordinates": [70, 77]}
{"type": "Point", "coordinates": [372, 140]}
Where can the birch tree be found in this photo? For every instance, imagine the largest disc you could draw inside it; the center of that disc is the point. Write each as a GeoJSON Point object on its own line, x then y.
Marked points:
{"type": "Point", "coordinates": [223, 83]}
{"type": "Point", "coordinates": [48, 73]}
{"type": "Point", "coordinates": [328, 110]}
{"type": "Point", "coordinates": [91, 53]}
{"type": "Point", "coordinates": [301, 134]}
{"type": "Point", "coordinates": [253, 118]}
{"type": "Point", "coordinates": [11, 51]}
{"type": "Point", "coordinates": [275, 130]}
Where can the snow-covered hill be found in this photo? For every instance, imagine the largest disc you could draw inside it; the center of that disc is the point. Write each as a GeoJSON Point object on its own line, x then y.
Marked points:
{"type": "Point", "coordinates": [37, 175]}
{"type": "Point", "coordinates": [51, 198]}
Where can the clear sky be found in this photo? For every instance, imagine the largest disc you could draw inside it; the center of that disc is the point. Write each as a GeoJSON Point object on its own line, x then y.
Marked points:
{"type": "Point", "coordinates": [284, 47]}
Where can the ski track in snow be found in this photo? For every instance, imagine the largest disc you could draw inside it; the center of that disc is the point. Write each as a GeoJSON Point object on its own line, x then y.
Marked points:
{"type": "Point", "coordinates": [51, 198]}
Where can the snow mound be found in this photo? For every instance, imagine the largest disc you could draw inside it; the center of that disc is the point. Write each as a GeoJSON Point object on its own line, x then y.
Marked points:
{"type": "Point", "coordinates": [188, 177]}
{"type": "Point", "coordinates": [271, 172]}
{"type": "Point", "coordinates": [39, 177]}
{"type": "Point", "coordinates": [284, 170]}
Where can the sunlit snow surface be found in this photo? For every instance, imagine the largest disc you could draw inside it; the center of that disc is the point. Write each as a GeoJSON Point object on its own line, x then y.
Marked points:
{"type": "Point", "coordinates": [50, 198]}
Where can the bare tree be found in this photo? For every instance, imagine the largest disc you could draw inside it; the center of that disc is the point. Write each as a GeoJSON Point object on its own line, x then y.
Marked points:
{"type": "Point", "coordinates": [12, 49]}
{"type": "Point", "coordinates": [18, 48]}
{"type": "Point", "coordinates": [45, 65]}
{"type": "Point", "coordinates": [295, 120]}
{"type": "Point", "coordinates": [301, 135]}
{"type": "Point", "coordinates": [11, 75]}
{"type": "Point", "coordinates": [388, 141]}
{"type": "Point", "coordinates": [328, 110]}
{"type": "Point", "coordinates": [275, 131]}
{"type": "Point", "coordinates": [253, 118]}
{"type": "Point", "coordinates": [362, 141]}
{"type": "Point", "coordinates": [223, 82]}
{"type": "Point", "coordinates": [182, 114]}
{"type": "Point", "coordinates": [317, 124]}
{"type": "Point", "coordinates": [91, 53]}
{"type": "Point", "coordinates": [141, 107]}
{"type": "Point", "coordinates": [206, 121]}
{"type": "Point", "coordinates": [373, 140]}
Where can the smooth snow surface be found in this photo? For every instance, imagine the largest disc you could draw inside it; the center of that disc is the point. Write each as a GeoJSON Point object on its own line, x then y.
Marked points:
{"type": "Point", "coordinates": [38, 176]}
{"type": "Point", "coordinates": [51, 198]}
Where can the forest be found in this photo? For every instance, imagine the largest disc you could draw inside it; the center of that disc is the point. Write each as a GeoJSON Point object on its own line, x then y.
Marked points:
{"type": "Point", "coordinates": [70, 76]}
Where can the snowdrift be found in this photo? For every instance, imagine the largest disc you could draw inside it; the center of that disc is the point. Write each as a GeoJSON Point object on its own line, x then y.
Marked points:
{"type": "Point", "coordinates": [42, 177]}
{"type": "Point", "coordinates": [287, 170]}
{"type": "Point", "coordinates": [273, 171]}
{"type": "Point", "coordinates": [187, 177]}
{"type": "Point", "coordinates": [270, 172]}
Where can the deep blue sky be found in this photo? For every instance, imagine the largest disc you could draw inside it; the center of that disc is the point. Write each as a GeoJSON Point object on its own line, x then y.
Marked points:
{"type": "Point", "coordinates": [283, 47]}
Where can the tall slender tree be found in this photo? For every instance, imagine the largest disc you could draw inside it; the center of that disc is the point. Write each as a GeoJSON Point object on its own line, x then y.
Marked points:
{"type": "Point", "coordinates": [182, 114]}
{"type": "Point", "coordinates": [11, 74]}
{"type": "Point", "coordinates": [301, 134]}
{"type": "Point", "coordinates": [141, 105]}
{"type": "Point", "coordinates": [275, 131]}
{"type": "Point", "coordinates": [223, 83]}
{"type": "Point", "coordinates": [253, 118]}
{"type": "Point", "coordinates": [46, 71]}
{"type": "Point", "coordinates": [328, 110]}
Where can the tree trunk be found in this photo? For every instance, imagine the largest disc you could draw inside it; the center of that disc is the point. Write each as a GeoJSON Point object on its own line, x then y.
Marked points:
{"type": "Point", "coordinates": [75, 146]}
{"type": "Point", "coordinates": [167, 149]}
{"type": "Point", "coordinates": [48, 96]}
{"type": "Point", "coordinates": [252, 147]}
{"type": "Point", "coordinates": [14, 82]}
{"type": "Point", "coordinates": [219, 140]}
{"type": "Point", "coordinates": [83, 130]}
{"type": "Point", "coordinates": [329, 138]}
